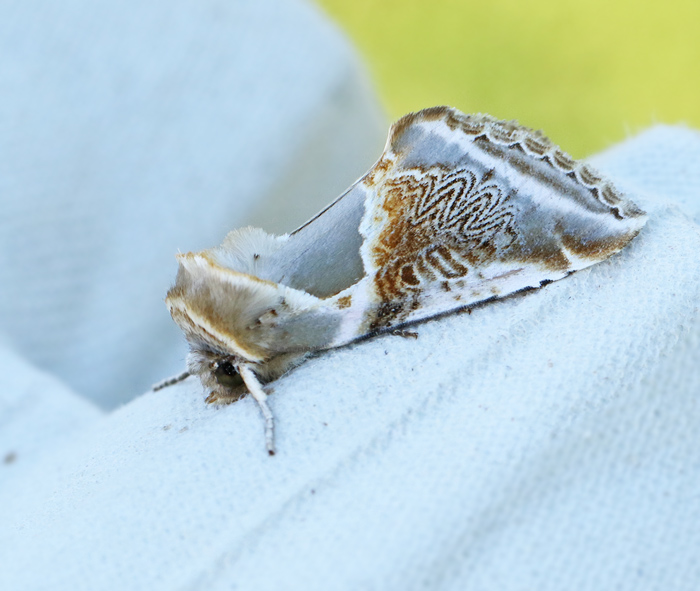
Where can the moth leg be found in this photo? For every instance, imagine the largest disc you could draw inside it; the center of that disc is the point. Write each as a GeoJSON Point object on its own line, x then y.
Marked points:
{"type": "Point", "coordinates": [219, 398]}
{"type": "Point", "coordinates": [406, 334]}
{"type": "Point", "coordinates": [170, 381]}
{"type": "Point", "coordinates": [255, 388]}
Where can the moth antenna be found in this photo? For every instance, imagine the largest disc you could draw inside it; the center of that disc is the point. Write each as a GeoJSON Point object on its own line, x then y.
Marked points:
{"type": "Point", "coordinates": [170, 381]}
{"type": "Point", "coordinates": [255, 388]}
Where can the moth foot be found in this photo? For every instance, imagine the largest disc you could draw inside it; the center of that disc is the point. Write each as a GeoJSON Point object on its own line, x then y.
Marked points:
{"type": "Point", "coordinates": [406, 334]}
{"type": "Point", "coordinates": [217, 398]}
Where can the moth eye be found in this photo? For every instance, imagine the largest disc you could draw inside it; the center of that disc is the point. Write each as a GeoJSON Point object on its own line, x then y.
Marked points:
{"type": "Point", "coordinates": [227, 375]}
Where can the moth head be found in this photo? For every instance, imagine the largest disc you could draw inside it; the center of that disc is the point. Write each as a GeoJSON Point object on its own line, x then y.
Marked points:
{"type": "Point", "coordinates": [226, 373]}
{"type": "Point", "coordinates": [218, 373]}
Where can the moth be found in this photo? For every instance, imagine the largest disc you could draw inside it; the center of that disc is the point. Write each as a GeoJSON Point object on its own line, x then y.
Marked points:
{"type": "Point", "coordinates": [459, 209]}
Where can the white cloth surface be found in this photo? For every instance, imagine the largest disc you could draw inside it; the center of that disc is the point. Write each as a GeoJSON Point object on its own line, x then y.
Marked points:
{"type": "Point", "coordinates": [130, 130]}
{"type": "Point", "coordinates": [547, 441]}
{"type": "Point", "coordinates": [37, 412]}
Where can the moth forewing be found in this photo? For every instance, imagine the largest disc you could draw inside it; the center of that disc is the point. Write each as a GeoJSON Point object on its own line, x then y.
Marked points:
{"type": "Point", "coordinates": [459, 209]}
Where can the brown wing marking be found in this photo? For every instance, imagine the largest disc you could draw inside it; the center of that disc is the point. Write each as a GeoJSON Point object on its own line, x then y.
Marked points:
{"type": "Point", "coordinates": [439, 223]}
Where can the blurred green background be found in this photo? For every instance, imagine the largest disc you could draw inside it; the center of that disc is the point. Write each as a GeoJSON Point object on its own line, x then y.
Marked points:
{"type": "Point", "coordinates": [588, 73]}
